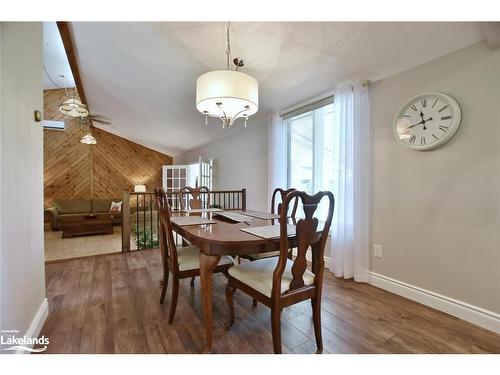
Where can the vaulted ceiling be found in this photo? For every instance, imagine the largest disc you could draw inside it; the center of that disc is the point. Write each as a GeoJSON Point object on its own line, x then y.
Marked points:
{"type": "Point", "coordinates": [143, 75]}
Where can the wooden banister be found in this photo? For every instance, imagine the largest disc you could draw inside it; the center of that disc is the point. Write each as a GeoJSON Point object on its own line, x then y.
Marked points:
{"type": "Point", "coordinates": [144, 209]}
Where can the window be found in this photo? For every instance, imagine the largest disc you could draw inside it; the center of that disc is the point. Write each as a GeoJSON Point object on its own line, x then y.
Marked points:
{"type": "Point", "coordinates": [310, 151]}
{"type": "Point", "coordinates": [312, 158]}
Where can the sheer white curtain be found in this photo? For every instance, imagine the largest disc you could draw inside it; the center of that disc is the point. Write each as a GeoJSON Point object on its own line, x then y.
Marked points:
{"type": "Point", "coordinates": [350, 183]}
{"type": "Point", "coordinates": [277, 154]}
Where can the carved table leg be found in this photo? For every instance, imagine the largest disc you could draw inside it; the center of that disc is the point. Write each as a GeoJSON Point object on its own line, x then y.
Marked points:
{"type": "Point", "coordinates": [207, 266]}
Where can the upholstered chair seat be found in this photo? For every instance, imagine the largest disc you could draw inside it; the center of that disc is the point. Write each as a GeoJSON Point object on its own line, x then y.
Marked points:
{"type": "Point", "coordinates": [189, 258]}
{"type": "Point", "coordinates": [259, 275]}
{"type": "Point", "coordinates": [180, 262]}
{"type": "Point", "coordinates": [279, 282]}
{"type": "Point", "coordinates": [269, 254]}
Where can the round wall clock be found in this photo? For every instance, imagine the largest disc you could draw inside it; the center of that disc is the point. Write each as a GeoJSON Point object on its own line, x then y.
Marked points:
{"type": "Point", "coordinates": [427, 121]}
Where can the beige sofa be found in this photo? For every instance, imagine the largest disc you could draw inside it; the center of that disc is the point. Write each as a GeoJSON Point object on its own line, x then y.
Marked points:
{"type": "Point", "coordinates": [79, 207]}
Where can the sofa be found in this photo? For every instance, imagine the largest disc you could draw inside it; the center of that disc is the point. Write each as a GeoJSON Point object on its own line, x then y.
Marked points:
{"type": "Point", "coordinates": [79, 207]}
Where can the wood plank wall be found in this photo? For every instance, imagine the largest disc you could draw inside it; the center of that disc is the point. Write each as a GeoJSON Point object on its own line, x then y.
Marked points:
{"type": "Point", "coordinates": [117, 163]}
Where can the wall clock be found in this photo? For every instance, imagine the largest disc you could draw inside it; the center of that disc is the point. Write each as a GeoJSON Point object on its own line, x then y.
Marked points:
{"type": "Point", "coordinates": [427, 121]}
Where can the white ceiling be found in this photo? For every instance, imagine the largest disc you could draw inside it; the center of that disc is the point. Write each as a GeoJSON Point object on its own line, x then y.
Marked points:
{"type": "Point", "coordinates": [56, 69]}
{"type": "Point", "coordinates": [142, 75]}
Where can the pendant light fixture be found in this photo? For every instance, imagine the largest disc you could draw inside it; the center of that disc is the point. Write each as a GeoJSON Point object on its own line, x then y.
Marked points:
{"type": "Point", "coordinates": [227, 94]}
{"type": "Point", "coordinates": [73, 107]}
{"type": "Point", "coordinates": [88, 138]}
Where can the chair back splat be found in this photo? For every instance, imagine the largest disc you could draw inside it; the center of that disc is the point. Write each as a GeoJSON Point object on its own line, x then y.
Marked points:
{"type": "Point", "coordinates": [167, 244]}
{"type": "Point", "coordinates": [307, 235]}
{"type": "Point", "coordinates": [283, 193]}
{"type": "Point", "coordinates": [200, 195]}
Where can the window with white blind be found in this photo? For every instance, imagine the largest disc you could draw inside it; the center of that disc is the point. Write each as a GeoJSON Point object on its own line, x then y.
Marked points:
{"type": "Point", "coordinates": [310, 151]}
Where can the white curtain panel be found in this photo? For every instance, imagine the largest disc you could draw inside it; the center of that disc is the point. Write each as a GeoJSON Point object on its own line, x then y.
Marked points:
{"type": "Point", "coordinates": [351, 178]}
{"type": "Point", "coordinates": [277, 155]}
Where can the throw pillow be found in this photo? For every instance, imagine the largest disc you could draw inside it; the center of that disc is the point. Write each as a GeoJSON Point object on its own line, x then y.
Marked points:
{"type": "Point", "coordinates": [115, 207]}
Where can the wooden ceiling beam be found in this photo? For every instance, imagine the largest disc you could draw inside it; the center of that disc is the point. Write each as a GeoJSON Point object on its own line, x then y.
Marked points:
{"type": "Point", "coordinates": [69, 46]}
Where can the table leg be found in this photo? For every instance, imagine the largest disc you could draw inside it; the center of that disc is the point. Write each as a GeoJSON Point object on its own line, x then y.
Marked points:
{"type": "Point", "coordinates": [207, 266]}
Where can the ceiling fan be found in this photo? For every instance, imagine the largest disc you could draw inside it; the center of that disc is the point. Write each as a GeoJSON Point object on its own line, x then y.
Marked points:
{"type": "Point", "coordinates": [99, 118]}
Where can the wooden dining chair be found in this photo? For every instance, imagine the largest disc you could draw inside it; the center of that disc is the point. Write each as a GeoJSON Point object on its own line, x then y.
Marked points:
{"type": "Point", "coordinates": [279, 282]}
{"type": "Point", "coordinates": [196, 193]}
{"type": "Point", "coordinates": [275, 208]}
{"type": "Point", "coordinates": [283, 193]}
{"type": "Point", "coordinates": [181, 262]}
{"type": "Point", "coordinates": [196, 202]}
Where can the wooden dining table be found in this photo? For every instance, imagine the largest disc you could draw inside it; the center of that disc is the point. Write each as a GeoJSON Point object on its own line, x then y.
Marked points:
{"type": "Point", "coordinates": [215, 240]}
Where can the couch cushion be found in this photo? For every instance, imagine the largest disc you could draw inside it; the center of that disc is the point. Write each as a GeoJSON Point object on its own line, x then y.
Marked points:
{"type": "Point", "coordinates": [259, 275]}
{"type": "Point", "coordinates": [73, 206]}
{"type": "Point", "coordinates": [101, 205]}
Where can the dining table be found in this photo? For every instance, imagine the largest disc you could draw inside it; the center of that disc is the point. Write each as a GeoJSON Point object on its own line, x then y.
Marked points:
{"type": "Point", "coordinates": [222, 237]}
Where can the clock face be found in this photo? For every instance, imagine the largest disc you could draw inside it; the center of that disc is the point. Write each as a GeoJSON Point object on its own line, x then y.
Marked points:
{"type": "Point", "coordinates": [427, 121]}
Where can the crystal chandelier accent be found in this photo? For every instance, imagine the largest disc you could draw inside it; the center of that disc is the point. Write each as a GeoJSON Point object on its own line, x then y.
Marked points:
{"type": "Point", "coordinates": [227, 94]}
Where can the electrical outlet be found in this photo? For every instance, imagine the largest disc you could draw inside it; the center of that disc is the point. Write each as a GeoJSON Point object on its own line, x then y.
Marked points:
{"type": "Point", "coordinates": [377, 251]}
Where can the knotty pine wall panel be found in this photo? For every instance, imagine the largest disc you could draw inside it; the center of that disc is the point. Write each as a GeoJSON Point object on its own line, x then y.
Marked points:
{"type": "Point", "coordinates": [117, 163]}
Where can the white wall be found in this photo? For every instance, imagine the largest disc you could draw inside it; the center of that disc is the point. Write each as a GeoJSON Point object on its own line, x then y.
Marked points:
{"type": "Point", "coordinates": [22, 279]}
{"type": "Point", "coordinates": [437, 213]}
{"type": "Point", "coordinates": [240, 162]}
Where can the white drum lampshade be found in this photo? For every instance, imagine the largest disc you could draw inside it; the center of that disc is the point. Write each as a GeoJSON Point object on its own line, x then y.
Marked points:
{"type": "Point", "coordinates": [227, 95]}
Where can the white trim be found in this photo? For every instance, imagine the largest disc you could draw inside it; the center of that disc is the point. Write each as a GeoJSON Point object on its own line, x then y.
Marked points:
{"type": "Point", "coordinates": [470, 313]}
{"type": "Point", "coordinates": [304, 103]}
{"type": "Point", "coordinates": [37, 322]}
{"type": "Point", "coordinates": [328, 260]}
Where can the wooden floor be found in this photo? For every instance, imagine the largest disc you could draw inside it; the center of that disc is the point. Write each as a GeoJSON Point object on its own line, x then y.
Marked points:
{"type": "Point", "coordinates": [110, 304]}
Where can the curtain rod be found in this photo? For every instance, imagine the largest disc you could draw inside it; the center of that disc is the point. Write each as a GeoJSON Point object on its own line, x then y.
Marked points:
{"type": "Point", "coordinates": [314, 103]}
{"type": "Point", "coordinates": [306, 107]}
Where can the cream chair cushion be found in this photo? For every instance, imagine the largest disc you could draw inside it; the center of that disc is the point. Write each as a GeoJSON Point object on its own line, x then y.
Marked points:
{"type": "Point", "coordinates": [259, 275]}
{"type": "Point", "coordinates": [265, 255]}
{"type": "Point", "coordinates": [189, 258]}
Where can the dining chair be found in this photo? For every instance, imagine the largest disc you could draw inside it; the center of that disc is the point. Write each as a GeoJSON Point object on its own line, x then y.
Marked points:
{"type": "Point", "coordinates": [181, 262]}
{"type": "Point", "coordinates": [196, 202]}
{"type": "Point", "coordinates": [279, 282]}
{"type": "Point", "coordinates": [197, 194]}
{"type": "Point", "coordinates": [275, 208]}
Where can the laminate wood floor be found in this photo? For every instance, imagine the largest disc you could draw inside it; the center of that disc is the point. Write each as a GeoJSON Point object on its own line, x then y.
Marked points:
{"type": "Point", "coordinates": [110, 304]}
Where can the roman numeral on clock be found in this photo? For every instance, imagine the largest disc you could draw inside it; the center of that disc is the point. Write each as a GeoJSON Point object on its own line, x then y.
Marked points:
{"type": "Point", "coordinates": [435, 137]}
{"type": "Point", "coordinates": [445, 117]}
{"type": "Point", "coordinates": [442, 109]}
{"type": "Point", "coordinates": [443, 128]}
{"type": "Point", "coordinates": [412, 140]}
{"type": "Point", "coordinates": [434, 103]}
{"type": "Point", "coordinates": [424, 103]}
{"type": "Point", "coordinates": [414, 107]}
{"type": "Point", "coordinates": [422, 140]}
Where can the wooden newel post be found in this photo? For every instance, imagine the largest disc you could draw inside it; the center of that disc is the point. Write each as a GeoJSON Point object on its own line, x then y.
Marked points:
{"type": "Point", "coordinates": [126, 221]}
{"type": "Point", "coordinates": [243, 199]}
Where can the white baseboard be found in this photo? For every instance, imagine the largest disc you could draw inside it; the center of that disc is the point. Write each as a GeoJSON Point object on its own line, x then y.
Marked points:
{"type": "Point", "coordinates": [470, 313]}
{"type": "Point", "coordinates": [328, 260]}
{"type": "Point", "coordinates": [37, 322]}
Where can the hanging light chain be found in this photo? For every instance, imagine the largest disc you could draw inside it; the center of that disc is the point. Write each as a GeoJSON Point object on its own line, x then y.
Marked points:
{"type": "Point", "coordinates": [228, 50]}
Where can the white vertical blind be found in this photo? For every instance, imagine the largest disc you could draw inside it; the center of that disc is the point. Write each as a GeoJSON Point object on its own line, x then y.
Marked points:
{"type": "Point", "coordinates": [300, 165]}
{"type": "Point", "coordinates": [311, 151]}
